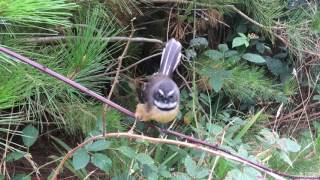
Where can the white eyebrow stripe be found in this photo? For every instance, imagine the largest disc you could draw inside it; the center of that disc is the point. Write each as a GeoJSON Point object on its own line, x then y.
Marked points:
{"type": "Point", "coordinates": [161, 92]}
{"type": "Point", "coordinates": [171, 92]}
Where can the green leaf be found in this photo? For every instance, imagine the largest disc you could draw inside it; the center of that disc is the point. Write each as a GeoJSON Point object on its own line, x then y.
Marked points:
{"type": "Point", "coordinates": [214, 129]}
{"type": "Point", "coordinates": [223, 47]}
{"type": "Point", "coordinates": [243, 152]}
{"type": "Point", "coordinates": [316, 98]}
{"type": "Point", "coordinates": [240, 41]}
{"type": "Point", "coordinates": [193, 170]}
{"type": "Point", "coordinates": [181, 176]}
{"type": "Point", "coordinates": [275, 66]}
{"type": "Point", "coordinates": [127, 151]}
{"type": "Point", "coordinates": [99, 145]}
{"type": "Point", "coordinates": [150, 171]}
{"type": "Point", "coordinates": [144, 158]}
{"type": "Point", "coordinates": [80, 159]}
{"type": "Point", "coordinates": [260, 47]}
{"type": "Point", "coordinates": [30, 135]}
{"type": "Point", "coordinates": [13, 156]}
{"type": "Point", "coordinates": [289, 145]}
{"type": "Point", "coordinates": [163, 171]}
{"type": "Point", "coordinates": [21, 177]}
{"type": "Point", "coordinates": [199, 42]}
{"type": "Point", "coordinates": [236, 174]}
{"type": "Point", "coordinates": [248, 125]}
{"type": "Point", "coordinates": [101, 161]}
{"type": "Point", "coordinates": [217, 78]}
{"type": "Point", "coordinates": [213, 54]}
{"type": "Point", "coordinates": [231, 53]}
{"type": "Point", "coordinates": [255, 58]}
{"type": "Point", "coordinates": [284, 156]}
{"type": "Point", "coordinates": [2, 177]}
{"type": "Point", "coordinates": [252, 172]}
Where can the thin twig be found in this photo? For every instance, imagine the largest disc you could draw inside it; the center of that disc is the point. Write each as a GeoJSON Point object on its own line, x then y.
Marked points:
{"type": "Point", "coordinates": [116, 78]}
{"type": "Point", "coordinates": [134, 64]}
{"type": "Point", "coordinates": [51, 39]}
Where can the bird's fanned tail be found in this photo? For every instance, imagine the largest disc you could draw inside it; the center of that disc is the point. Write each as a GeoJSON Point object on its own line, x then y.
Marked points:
{"type": "Point", "coordinates": [171, 56]}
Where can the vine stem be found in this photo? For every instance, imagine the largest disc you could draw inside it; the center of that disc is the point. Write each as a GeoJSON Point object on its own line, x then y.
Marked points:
{"type": "Point", "coordinates": [192, 142]}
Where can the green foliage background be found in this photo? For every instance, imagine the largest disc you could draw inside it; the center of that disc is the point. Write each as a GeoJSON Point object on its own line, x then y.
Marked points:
{"type": "Point", "coordinates": [254, 92]}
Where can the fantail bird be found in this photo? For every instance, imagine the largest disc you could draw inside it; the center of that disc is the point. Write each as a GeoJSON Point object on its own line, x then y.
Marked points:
{"type": "Point", "coordinates": [161, 94]}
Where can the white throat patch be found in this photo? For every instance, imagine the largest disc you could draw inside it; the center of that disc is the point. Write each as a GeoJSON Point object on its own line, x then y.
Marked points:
{"type": "Point", "coordinates": [165, 105]}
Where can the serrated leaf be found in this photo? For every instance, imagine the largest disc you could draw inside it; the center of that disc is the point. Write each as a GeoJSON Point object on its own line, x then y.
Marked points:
{"type": "Point", "coordinates": [98, 145]}
{"type": "Point", "coordinates": [30, 135]}
{"type": "Point", "coordinates": [252, 172]}
{"type": "Point", "coordinates": [21, 177]}
{"type": "Point", "coordinates": [316, 98]}
{"type": "Point", "coordinates": [101, 161]}
{"type": "Point", "coordinates": [288, 145]}
{"type": "Point", "coordinates": [150, 171]}
{"type": "Point", "coordinates": [199, 42]}
{"type": "Point", "coordinates": [127, 151]}
{"type": "Point", "coordinates": [191, 53]}
{"type": "Point", "coordinates": [80, 159]}
{"type": "Point", "coordinates": [13, 156]}
{"type": "Point", "coordinates": [240, 41]}
{"type": "Point", "coordinates": [190, 165]}
{"type": "Point", "coordinates": [275, 66]}
{"type": "Point", "coordinates": [223, 47]}
{"type": "Point", "coordinates": [231, 53]}
{"type": "Point", "coordinates": [260, 47]}
{"type": "Point", "coordinates": [284, 156]}
{"type": "Point", "coordinates": [144, 158]}
{"type": "Point", "coordinates": [214, 128]}
{"type": "Point", "coordinates": [217, 78]}
{"type": "Point", "coordinates": [193, 170]}
{"type": "Point", "coordinates": [181, 176]}
{"type": "Point", "coordinates": [213, 54]}
{"type": "Point", "coordinates": [242, 35]}
{"type": "Point", "coordinates": [163, 171]}
{"type": "Point", "coordinates": [234, 174]}
{"type": "Point", "coordinates": [243, 152]}
{"type": "Point", "coordinates": [255, 58]}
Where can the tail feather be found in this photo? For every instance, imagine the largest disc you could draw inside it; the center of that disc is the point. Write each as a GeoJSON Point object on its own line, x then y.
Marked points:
{"type": "Point", "coordinates": [171, 56]}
